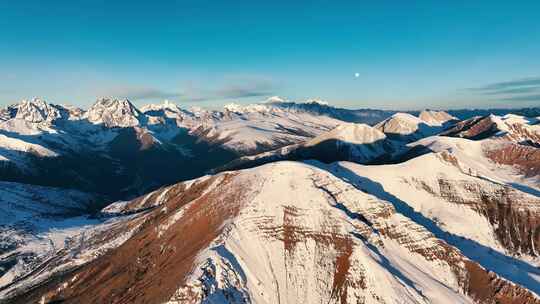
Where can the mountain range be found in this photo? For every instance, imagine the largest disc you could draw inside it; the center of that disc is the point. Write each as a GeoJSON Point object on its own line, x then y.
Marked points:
{"type": "Point", "coordinates": [276, 202]}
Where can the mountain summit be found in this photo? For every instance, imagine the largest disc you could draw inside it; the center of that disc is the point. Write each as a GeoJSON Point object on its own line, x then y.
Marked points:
{"type": "Point", "coordinates": [113, 112]}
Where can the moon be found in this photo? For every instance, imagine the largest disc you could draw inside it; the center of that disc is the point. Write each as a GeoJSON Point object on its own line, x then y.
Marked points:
{"type": "Point", "coordinates": [356, 75]}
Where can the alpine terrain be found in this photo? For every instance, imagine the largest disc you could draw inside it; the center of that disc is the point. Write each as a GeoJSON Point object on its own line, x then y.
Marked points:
{"type": "Point", "coordinates": [274, 202]}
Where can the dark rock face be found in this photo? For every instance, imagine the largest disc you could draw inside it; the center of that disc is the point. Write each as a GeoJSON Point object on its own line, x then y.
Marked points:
{"type": "Point", "coordinates": [475, 128]}
{"type": "Point", "coordinates": [134, 164]}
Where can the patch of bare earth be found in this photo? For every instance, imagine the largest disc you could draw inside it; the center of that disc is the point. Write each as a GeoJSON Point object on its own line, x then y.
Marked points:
{"type": "Point", "coordinates": [487, 288]}
{"type": "Point", "coordinates": [525, 158]}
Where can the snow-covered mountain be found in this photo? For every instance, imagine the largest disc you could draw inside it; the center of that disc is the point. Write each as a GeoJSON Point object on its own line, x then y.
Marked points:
{"type": "Point", "coordinates": [349, 141]}
{"type": "Point", "coordinates": [514, 127]}
{"type": "Point", "coordinates": [37, 110]}
{"type": "Point", "coordinates": [369, 145]}
{"type": "Point", "coordinates": [407, 127]}
{"type": "Point", "coordinates": [262, 127]}
{"type": "Point", "coordinates": [48, 144]}
{"type": "Point", "coordinates": [320, 107]}
{"type": "Point", "coordinates": [35, 222]}
{"type": "Point", "coordinates": [290, 233]}
{"type": "Point", "coordinates": [113, 112]}
{"type": "Point", "coordinates": [436, 118]}
{"type": "Point", "coordinates": [334, 208]}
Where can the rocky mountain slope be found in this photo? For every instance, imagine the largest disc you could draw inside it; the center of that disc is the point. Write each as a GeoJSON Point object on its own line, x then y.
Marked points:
{"type": "Point", "coordinates": [284, 233]}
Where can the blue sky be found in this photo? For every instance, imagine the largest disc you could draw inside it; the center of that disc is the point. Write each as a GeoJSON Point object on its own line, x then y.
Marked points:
{"type": "Point", "coordinates": [408, 55]}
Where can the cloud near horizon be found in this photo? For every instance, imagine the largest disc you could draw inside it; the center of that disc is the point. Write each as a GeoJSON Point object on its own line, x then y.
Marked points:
{"type": "Point", "coordinates": [524, 89]}
{"type": "Point", "coordinates": [535, 97]}
{"type": "Point", "coordinates": [140, 93]}
{"type": "Point", "coordinates": [230, 90]}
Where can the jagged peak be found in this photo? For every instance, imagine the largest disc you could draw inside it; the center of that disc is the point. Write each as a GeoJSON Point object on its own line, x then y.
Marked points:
{"type": "Point", "coordinates": [317, 101]}
{"type": "Point", "coordinates": [37, 101]}
{"type": "Point", "coordinates": [165, 106]}
{"type": "Point", "coordinates": [110, 102]}
{"type": "Point", "coordinates": [37, 110]}
{"type": "Point", "coordinates": [251, 108]}
{"type": "Point", "coordinates": [277, 104]}
{"type": "Point", "coordinates": [114, 112]}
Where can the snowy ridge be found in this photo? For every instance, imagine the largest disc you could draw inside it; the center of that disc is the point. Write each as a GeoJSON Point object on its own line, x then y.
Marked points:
{"type": "Point", "coordinates": [37, 110]}
{"type": "Point", "coordinates": [351, 133]}
{"type": "Point", "coordinates": [451, 194]}
{"type": "Point", "coordinates": [509, 127]}
{"type": "Point", "coordinates": [405, 127]}
{"type": "Point", "coordinates": [431, 211]}
{"type": "Point", "coordinates": [435, 118]}
{"type": "Point", "coordinates": [164, 139]}
{"type": "Point", "coordinates": [113, 112]}
{"type": "Point", "coordinates": [348, 141]}
{"type": "Point", "coordinates": [166, 105]}
{"type": "Point", "coordinates": [15, 148]}
{"type": "Point", "coordinates": [284, 233]}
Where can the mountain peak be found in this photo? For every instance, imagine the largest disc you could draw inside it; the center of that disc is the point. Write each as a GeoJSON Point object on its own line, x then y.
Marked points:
{"type": "Point", "coordinates": [251, 108]}
{"type": "Point", "coordinates": [317, 101]}
{"type": "Point", "coordinates": [165, 106]}
{"type": "Point", "coordinates": [400, 123]}
{"type": "Point", "coordinates": [37, 110]}
{"type": "Point", "coordinates": [435, 118]}
{"type": "Point", "coordinates": [353, 133]}
{"type": "Point", "coordinates": [406, 127]}
{"type": "Point", "coordinates": [113, 112]}
{"type": "Point", "coordinates": [275, 99]}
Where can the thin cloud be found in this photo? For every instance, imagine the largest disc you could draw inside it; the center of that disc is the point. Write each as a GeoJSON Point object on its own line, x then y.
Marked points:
{"type": "Point", "coordinates": [141, 93]}
{"type": "Point", "coordinates": [233, 89]}
{"type": "Point", "coordinates": [245, 89]}
{"type": "Point", "coordinates": [236, 89]}
{"type": "Point", "coordinates": [520, 90]}
{"type": "Point", "coordinates": [501, 87]}
{"type": "Point", "coordinates": [535, 97]}
{"type": "Point", "coordinates": [524, 82]}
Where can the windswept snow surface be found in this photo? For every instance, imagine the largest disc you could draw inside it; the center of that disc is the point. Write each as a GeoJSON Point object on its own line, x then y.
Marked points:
{"type": "Point", "coordinates": [44, 230]}
{"type": "Point", "coordinates": [473, 160]}
{"type": "Point", "coordinates": [435, 118]}
{"type": "Point", "coordinates": [305, 205]}
{"type": "Point", "coordinates": [351, 133]}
